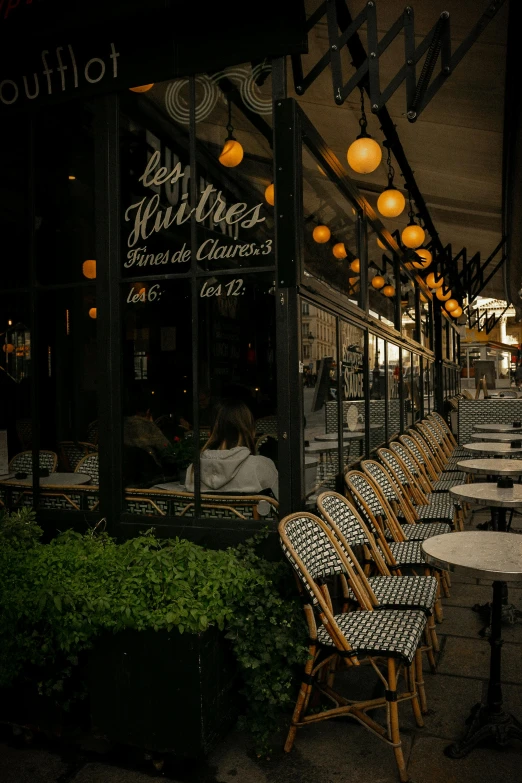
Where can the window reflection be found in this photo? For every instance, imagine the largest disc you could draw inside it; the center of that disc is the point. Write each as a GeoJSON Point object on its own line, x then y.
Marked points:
{"type": "Point", "coordinates": [377, 366]}
{"type": "Point", "coordinates": [393, 372]}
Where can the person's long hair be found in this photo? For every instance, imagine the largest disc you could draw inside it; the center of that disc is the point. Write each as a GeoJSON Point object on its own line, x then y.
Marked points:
{"type": "Point", "coordinates": [233, 426]}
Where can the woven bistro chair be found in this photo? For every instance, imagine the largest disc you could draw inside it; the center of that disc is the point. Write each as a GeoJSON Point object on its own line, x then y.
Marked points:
{"type": "Point", "coordinates": [431, 451]}
{"type": "Point", "coordinates": [23, 461]}
{"type": "Point", "coordinates": [439, 457]}
{"type": "Point", "coordinates": [441, 436]}
{"type": "Point", "coordinates": [419, 472]}
{"type": "Point", "coordinates": [390, 591]}
{"type": "Point", "coordinates": [448, 457]}
{"type": "Point", "coordinates": [71, 452]}
{"type": "Point", "coordinates": [389, 487]}
{"type": "Point", "coordinates": [443, 424]}
{"type": "Point", "coordinates": [90, 465]}
{"type": "Point", "coordinates": [392, 636]}
{"type": "Point", "coordinates": [437, 507]}
{"type": "Point", "coordinates": [389, 533]}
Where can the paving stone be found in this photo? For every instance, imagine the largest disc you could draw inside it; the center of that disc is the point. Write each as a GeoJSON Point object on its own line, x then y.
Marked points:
{"type": "Point", "coordinates": [28, 765]}
{"type": "Point", "coordinates": [103, 773]}
{"type": "Point", "coordinates": [428, 764]}
{"type": "Point", "coordinates": [234, 764]}
{"type": "Point", "coordinates": [467, 594]}
{"type": "Point", "coordinates": [470, 658]}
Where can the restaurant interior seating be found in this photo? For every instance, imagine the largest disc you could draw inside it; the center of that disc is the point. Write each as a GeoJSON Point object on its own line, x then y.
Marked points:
{"type": "Point", "coordinates": [160, 502]}
{"type": "Point", "coordinates": [89, 465]}
{"type": "Point", "coordinates": [23, 461]}
{"type": "Point", "coordinates": [71, 452]}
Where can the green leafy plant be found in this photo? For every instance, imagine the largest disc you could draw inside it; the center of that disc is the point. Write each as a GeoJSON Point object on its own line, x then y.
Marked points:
{"type": "Point", "coordinates": [56, 598]}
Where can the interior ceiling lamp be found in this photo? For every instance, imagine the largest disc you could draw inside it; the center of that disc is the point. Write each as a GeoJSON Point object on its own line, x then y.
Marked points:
{"type": "Point", "coordinates": [378, 281]}
{"type": "Point", "coordinates": [232, 152]}
{"type": "Point", "coordinates": [434, 281]}
{"type": "Point", "coordinates": [451, 305]}
{"type": "Point", "coordinates": [388, 290]}
{"type": "Point", "coordinates": [92, 312]}
{"type": "Point", "coordinates": [89, 269]}
{"type": "Point", "coordinates": [457, 312]}
{"type": "Point", "coordinates": [355, 266]}
{"type": "Point", "coordinates": [270, 194]}
{"type": "Point", "coordinates": [391, 202]}
{"type": "Point", "coordinates": [142, 88]}
{"type": "Point", "coordinates": [425, 256]}
{"type": "Point", "coordinates": [364, 154]}
{"type": "Point", "coordinates": [321, 234]}
{"type": "Point", "coordinates": [413, 235]}
{"type": "Point", "coordinates": [443, 294]}
{"type": "Point", "coordinates": [339, 250]}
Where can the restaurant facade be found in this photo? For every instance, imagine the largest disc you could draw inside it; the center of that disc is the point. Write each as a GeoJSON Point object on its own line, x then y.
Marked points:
{"type": "Point", "coordinates": [144, 269]}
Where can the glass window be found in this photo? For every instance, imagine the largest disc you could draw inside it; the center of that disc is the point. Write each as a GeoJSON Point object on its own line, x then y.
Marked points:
{"type": "Point", "coordinates": [330, 247]}
{"type": "Point", "coordinates": [14, 217]}
{"type": "Point", "coordinates": [377, 367]}
{"type": "Point", "coordinates": [381, 281]}
{"type": "Point", "coordinates": [415, 382]}
{"type": "Point", "coordinates": [407, 388]}
{"type": "Point", "coordinates": [427, 386]}
{"type": "Point", "coordinates": [320, 401]}
{"type": "Point", "coordinates": [426, 322]}
{"type": "Point", "coordinates": [353, 393]}
{"type": "Point", "coordinates": [408, 319]}
{"type": "Point", "coordinates": [393, 376]}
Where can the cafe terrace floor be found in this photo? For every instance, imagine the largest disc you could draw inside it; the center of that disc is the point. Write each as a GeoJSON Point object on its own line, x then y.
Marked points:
{"type": "Point", "coordinates": [335, 751]}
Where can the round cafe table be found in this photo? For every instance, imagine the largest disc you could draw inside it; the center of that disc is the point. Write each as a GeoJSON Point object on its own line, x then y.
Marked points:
{"type": "Point", "coordinates": [53, 480]}
{"type": "Point", "coordinates": [488, 494]}
{"type": "Point", "coordinates": [497, 427]}
{"type": "Point", "coordinates": [498, 437]}
{"type": "Point", "coordinates": [492, 467]}
{"type": "Point", "coordinates": [497, 557]}
{"type": "Point", "coordinates": [493, 448]}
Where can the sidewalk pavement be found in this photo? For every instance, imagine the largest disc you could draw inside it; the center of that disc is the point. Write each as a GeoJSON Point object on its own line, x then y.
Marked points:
{"type": "Point", "coordinates": [338, 751]}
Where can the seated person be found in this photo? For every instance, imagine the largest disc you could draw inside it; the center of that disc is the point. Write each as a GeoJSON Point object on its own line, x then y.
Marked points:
{"type": "Point", "coordinates": [142, 437]}
{"type": "Point", "coordinates": [228, 460]}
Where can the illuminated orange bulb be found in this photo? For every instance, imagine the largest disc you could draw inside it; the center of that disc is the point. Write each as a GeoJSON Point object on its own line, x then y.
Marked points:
{"type": "Point", "coordinates": [434, 281]}
{"type": "Point", "coordinates": [89, 269]}
{"type": "Point", "coordinates": [142, 88]}
{"type": "Point", "coordinates": [321, 234]}
{"type": "Point", "coordinates": [451, 305]}
{"type": "Point", "coordinates": [413, 236]}
{"type": "Point", "coordinates": [378, 281]}
{"type": "Point", "coordinates": [388, 290]}
{"type": "Point", "coordinates": [426, 258]}
{"type": "Point", "coordinates": [270, 195]}
{"type": "Point", "coordinates": [457, 312]}
{"type": "Point", "coordinates": [391, 202]}
{"type": "Point", "coordinates": [339, 250]}
{"type": "Point", "coordinates": [7, 348]}
{"type": "Point", "coordinates": [354, 284]}
{"type": "Point", "coordinates": [441, 296]}
{"type": "Point", "coordinates": [355, 266]}
{"type": "Point", "coordinates": [231, 154]}
{"type": "Point", "coordinates": [364, 155]}
{"type": "Point", "coordinates": [92, 312]}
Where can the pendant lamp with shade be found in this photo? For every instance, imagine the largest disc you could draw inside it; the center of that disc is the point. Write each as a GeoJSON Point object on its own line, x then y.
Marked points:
{"type": "Point", "coordinates": [413, 235]}
{"type": "Point", "coordinates": [232, 152]}
{"type": "Point", "coordinates": [364, 154]}
{"type": "Point", "coordinates": [391, 202]}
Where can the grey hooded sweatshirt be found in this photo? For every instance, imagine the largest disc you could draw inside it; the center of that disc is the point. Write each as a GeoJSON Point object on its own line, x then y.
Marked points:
{"type": "Point", "coordinates": [234, 470]}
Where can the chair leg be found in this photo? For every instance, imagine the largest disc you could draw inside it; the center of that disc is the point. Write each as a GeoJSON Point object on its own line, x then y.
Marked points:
{"type": "Point", "coordinates": [432, 634]}
{"type": "Point", "coordinates": [419, 679]}
{"type": "Point", "coordinates": [411, 680]}
{"type": "Point", "coordinates": [302, 698]}
{"type": "Point", "coordinates": [393, 712]}
{"type": "Point", "coordinates": [439, 615]}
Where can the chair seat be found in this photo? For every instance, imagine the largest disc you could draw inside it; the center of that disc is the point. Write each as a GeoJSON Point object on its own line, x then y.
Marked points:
{"type": "Point", "coordinates": [407, 553]}
{"type": "Point", "coordinates": [443, 484]}
{"type": "Point", "coordinates": [394, 633]}
{"type": "Point", "coordinates": [404, 592]}
{"type": "Point", "coordinates": [454, 474]}
{"type": "Point", "coordinates": [459, 452]}
{"type": "Point", "coordinates": [424, 530]}
{"type": "Point", "coordinates": [439, 509]}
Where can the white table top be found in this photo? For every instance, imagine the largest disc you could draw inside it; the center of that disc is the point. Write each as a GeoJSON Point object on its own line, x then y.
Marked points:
{"type": "Point", "coordinates": [480, 553]}
{"type": "Point", "coordinates": [171, 486]}
{"type": "Point", "coordinates": [497, 427]}
{"type": "Point", "coordinates": [498, 437]}
{"type": "Point", "coordinates": [310, 461]}
{"type": "Point", "coordinates": [332, 436]}
{"type": "Point", "coordinates": [488, 494]}
{"type": "Point", "coordinates": [492, 467]}
{"type": "Point", "coordinates": [492, 448]}
{"type": "Point", "coordinates": [318, 447]}
{"type": "Point", "coordinates": [53, 480]}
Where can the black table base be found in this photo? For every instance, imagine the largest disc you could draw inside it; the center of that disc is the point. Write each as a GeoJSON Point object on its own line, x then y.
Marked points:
{"type": "Point", "coordinates": [489, 721]}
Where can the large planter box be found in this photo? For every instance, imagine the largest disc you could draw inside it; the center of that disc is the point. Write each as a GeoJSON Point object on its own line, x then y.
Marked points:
{"type": "Point", "coordinates": [164, 691]}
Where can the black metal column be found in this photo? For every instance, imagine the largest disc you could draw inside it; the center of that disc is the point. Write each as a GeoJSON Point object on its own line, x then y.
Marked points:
{"type": "Point", "coordinates": [438, 366]}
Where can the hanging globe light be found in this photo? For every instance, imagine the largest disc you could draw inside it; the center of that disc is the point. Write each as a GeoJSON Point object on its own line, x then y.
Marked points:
{"type": "Point", "coordinates": [391, 202]}
{"type": "Point", "coordinates": [92, 312]}
{"type": "Point", "coordinates": [8, 348]}
{"type": "Point", "coordinates": [89, 269]}
{"type": "Point", "coordinates": [378, 281]}
{"type": "Point", "coordinates": [321, 234]}
{"type": "Point", "coordinates": [355, 266]}
{"type": "Point", "coordinates": [413, 235]}
{"type": "Point", "coordinates": [457, 312]}
{"type": "Point", "coordinates": [364, 154]}
{"type": "Point", "coordinates": [270, 194]}
{"type": "Point", "coordinates": [232, 152]}
{"type": "Point", "coordinates": [425, 256]}
{"type": "Point", "coordinates": [434, 281]}
{"type": "Point", "coordinates": [451, 305]}
{"type": "Point", "coordinates": [443, 297]}
{"type": "Point", "coordinates": [339, 250]}
{"type": "Point", "coordinates": [142, 88]}
{"type": "Point", "coordinates": [388, 290]}
{"type": "Point", "coordinates": [354, 284]}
